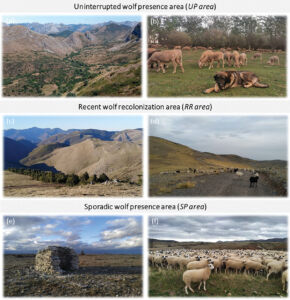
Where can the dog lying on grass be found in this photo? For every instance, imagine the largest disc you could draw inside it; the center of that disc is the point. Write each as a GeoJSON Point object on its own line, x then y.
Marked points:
{"type": "Point", "coordinates": [231, 79]}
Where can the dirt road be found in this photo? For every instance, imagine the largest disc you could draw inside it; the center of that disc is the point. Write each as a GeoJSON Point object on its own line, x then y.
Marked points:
{"type": "Point", "coordinates": [223, 184]}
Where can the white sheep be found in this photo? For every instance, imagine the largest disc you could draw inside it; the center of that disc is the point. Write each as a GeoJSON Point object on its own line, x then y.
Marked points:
{"type": "Point", "coordinates": [197, 264]}
{"type": "Point", "coordinates": [172, 262]}
{"type": "Point", "coordinates": [284, 279]}
{"type": "Point", "coordinates": [218, 263]}
{"type": "Point", "coordinates": [200, 275]}
{"type": "Point", "coordinates": [183, 261]}
{"type": "Point", "coordinates": [275, 267]}
{"type": "Point", "coordinates": [239, 174]}
{"type": "Point", "coordinates": [255, 266]}
{"type": "Point", "coordinates": [237, 265]}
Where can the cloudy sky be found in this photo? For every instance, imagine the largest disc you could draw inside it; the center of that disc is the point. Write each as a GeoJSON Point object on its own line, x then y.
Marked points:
{"type": "Point", "coordinates": [213, 228]}
{"type": "Point", "coordinates": [91, 234]}
{"type": "Point", "coordinates": [259, 138]}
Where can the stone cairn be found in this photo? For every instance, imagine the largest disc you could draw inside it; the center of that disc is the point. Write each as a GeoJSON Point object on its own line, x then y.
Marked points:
{"type": "Point", "coordinates": [56, 260]}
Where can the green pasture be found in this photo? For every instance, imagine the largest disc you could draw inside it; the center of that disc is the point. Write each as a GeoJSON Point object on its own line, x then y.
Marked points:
{"type": "Point", "coordinates": [169, 283]}
{"type": "Point", "coordinates": [194, 81]}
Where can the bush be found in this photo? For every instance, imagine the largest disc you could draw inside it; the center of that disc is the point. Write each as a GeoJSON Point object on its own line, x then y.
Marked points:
{"type": "Point", "coordinates": [93, 179]}
{"type": "Point", "coordinates": [72, 180]}
{"type": "Point", "coordinates": [84, 178]}
{"type": "Point", "coordinates": [103, 177]}
{"type": "Point", "coordinates": [60, 178]}
{"type": "Point", "coordinates": [176, 38]}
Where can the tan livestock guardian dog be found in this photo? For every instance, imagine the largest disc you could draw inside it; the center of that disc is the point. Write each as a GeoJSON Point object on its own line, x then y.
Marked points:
{"type": "Point", "coordinates": [166, 56]}
{"type": "Point", "coordinates": [273, 60]}
{"type": "Point", "coordinates": [231, 79]}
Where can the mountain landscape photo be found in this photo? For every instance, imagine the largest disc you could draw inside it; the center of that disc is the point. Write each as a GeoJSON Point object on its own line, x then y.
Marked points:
{"type": "Point", "coordinates": [61, 161]}
{"type": "Point", "coordinates": [66, 56]}
{"type": "Point", "coordinates": [203, 156]}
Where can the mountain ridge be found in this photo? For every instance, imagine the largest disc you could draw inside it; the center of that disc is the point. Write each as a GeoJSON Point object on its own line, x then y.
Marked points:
{"type": "Point", "coordinates": [115, 153]}
{"type": "Point", "coordinates": [166, 155]}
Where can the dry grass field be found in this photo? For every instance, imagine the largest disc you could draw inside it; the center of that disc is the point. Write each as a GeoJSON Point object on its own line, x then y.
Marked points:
{"type": "Point", "coordinates": [17, 185]}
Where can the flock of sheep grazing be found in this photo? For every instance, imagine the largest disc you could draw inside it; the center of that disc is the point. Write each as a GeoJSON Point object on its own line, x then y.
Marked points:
{"type": "Point", "coordinates": [208, 57]}
{"type": "Point", "coordinates": [198, 264]}
{"type": "Point", "coordinates": [254, 175]}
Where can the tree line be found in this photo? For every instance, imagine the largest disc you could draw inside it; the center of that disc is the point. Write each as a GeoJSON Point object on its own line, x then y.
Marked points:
{"type": "Point", "coordinates": [59, 177]}
{"type": "Point", "coordinates": [249, 32]}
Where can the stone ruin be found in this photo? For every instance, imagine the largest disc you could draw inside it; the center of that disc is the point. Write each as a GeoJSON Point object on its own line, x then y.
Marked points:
{"type": "Point", "coordinates": [56, 260]}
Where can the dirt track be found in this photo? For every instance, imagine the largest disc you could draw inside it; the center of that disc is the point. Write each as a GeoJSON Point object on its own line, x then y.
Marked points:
{"type": "Point", "coordinates": [223, 184]}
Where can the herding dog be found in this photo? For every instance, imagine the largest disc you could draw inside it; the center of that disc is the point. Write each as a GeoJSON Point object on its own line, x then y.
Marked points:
{"type": "Point", "coordinates": [230, 79]}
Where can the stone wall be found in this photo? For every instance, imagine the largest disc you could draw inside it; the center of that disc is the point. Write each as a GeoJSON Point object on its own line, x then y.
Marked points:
{"type": "Point", "coordinates": [55, 259]}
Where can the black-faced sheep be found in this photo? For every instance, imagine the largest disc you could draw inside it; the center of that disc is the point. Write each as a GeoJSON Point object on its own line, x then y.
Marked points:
{"type": "Point", "coordinates": [254, 181]}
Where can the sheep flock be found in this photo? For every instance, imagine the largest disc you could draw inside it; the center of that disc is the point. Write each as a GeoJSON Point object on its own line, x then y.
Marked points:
{"type": "Point", "coordinates": [197, 266]}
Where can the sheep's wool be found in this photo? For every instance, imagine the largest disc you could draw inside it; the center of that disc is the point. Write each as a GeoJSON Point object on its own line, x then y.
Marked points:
{"type": "Point", "coordinates": [54, 259]}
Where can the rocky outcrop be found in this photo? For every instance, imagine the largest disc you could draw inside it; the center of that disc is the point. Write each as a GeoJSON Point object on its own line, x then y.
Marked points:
{"type": "Point", "coordinates": [21, 39]}
{"type": "Point", "coordinates": [54, 259]}
{"type": "Point", "coordinates": [135, 34]}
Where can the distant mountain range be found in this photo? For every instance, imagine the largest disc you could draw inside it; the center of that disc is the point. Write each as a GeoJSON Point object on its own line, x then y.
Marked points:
{"type": "Point", "coordinates": [269, 244]}
{"type": "Point", "coordinates": [116, 153]}
{"type": "Point", "coordinates": [58, 28]}
{"type": "Point", "coordinates": [62, 39]}
{"type": "Point", "coordinates": [169, 156]}
{"type": "Point", "coordinates": [59, 60]}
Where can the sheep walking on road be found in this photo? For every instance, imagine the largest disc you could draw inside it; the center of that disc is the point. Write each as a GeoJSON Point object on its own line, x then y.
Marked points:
{"type": "Point", "coordinates": [254, 181]}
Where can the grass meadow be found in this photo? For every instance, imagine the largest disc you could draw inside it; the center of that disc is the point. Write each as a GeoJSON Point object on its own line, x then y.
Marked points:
{"type": "Point", "coordinates": [169, 283]}
{"type": "Point", "coordinates": [194, 81]}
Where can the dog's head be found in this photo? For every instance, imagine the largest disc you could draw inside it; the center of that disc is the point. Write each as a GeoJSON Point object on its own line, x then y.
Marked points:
{"type": "Point", "coordinates": [222, 78]}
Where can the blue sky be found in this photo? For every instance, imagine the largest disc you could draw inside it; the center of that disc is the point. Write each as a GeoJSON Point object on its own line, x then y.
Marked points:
{"type": "Point", "coordinates": [74, 122]}
{"type": "Point", "coordinates": [76, 19]}
{"type": "Point", "coordinates": [98, 234]}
